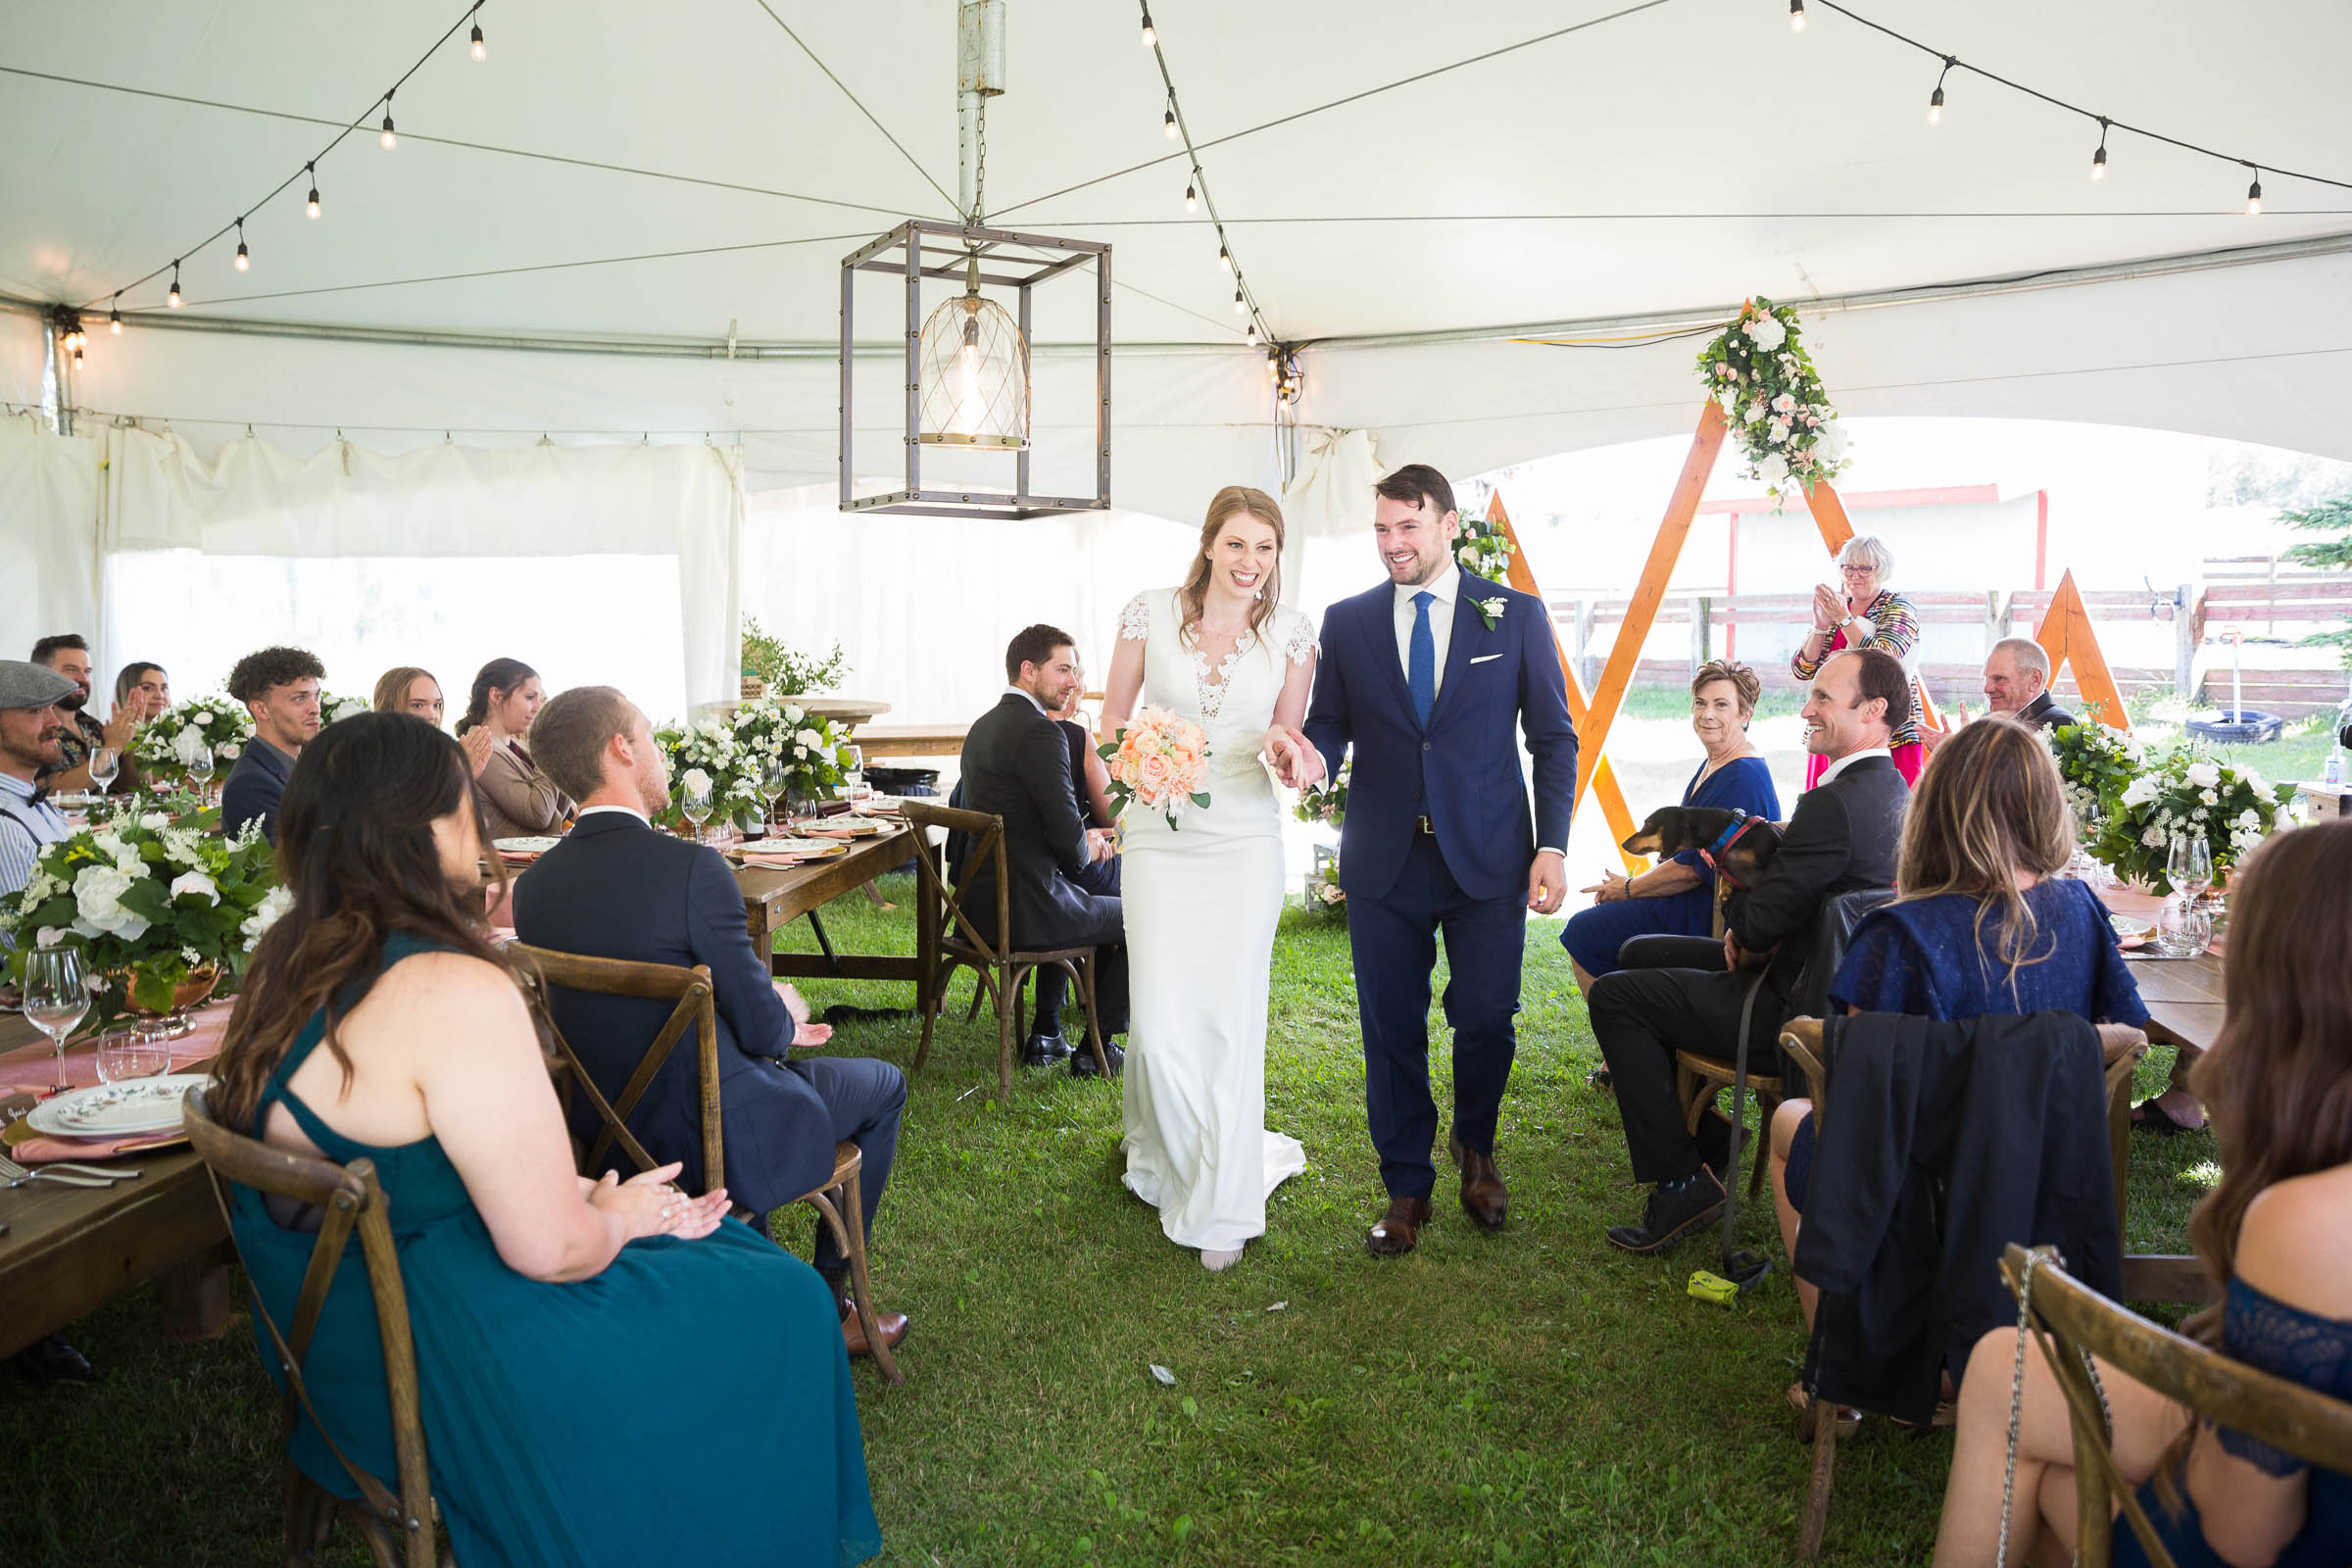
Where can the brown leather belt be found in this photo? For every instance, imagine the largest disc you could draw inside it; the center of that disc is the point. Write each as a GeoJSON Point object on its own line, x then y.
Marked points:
{"type": "Point", "coordinates": [1425, 825]}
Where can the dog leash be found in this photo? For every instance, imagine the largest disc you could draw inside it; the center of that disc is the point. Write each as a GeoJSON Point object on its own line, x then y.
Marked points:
{"type": "Point", "coordinates": [1712, 854]}
{"type": "Point", "coordinates": [1742, 1268]}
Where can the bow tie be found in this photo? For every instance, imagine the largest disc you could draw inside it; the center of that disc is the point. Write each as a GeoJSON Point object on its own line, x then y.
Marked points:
{"type": "Point", "coordinates": [40, 795]}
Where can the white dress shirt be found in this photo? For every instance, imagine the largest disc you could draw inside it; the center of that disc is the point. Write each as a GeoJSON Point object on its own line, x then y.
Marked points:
{"type": "Point", "coordinates": [587, 812]}
{"type": "Point", "coordinates": [1027, 696]}
{"type": "Point", "coordinates": [1446, 587]}
{"type": "Point", "coordinates": [1849, 759]}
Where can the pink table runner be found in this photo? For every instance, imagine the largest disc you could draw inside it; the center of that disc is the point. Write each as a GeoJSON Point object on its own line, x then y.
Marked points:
{"type": "Point", "coordinates": [34, 1067]}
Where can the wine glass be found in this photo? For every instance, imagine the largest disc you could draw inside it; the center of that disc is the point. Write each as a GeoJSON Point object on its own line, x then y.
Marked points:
{"type": "Point", "coordinates": [200, 769]}
{"type": "Point", "coordinates": [56, 996]}
{"type": "Point", "coordinates": [105, 763]}
{"type": "Point", "coordinates": [696, 804]}
{"type": "Point", "coordinates": [2188, 865]}
{"type": "Point", "coordinates": [771, 788]}
{"type": "Point", "coordinates": [852, 777]}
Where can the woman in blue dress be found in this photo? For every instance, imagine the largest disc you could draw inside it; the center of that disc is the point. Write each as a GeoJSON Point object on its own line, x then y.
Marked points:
{"type": "Point", "coordinates": [611, 1373]}
{"type": "Point", "coordinates": [2277, 1086]}
{"type": "Point", "coordinates": [1677, 897]}
{"type": "Point", "coordinates": [1983, 927]}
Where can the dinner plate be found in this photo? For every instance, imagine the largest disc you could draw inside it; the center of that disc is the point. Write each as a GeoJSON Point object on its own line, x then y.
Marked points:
{"type": "Point", "coordinates": [116, 1111]}
{"type": "Point", "coordinates": [2130, 925]}
{"type": "Point", "coordinates": [526, 846]}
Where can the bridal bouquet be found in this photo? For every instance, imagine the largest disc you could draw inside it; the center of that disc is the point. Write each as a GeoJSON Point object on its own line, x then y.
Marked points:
{"type": "Point", "coordinates": [1160, 761]}
{"type": "Point", "coordinates": [168, 743]}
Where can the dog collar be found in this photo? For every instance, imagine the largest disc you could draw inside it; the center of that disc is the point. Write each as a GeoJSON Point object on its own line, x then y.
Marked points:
{"type": "Point", "coordinates": [1741, 823]}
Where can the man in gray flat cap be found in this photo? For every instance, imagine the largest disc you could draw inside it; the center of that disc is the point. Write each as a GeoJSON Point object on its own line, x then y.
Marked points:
{"type": "Point", "coordinates": [32, 727]}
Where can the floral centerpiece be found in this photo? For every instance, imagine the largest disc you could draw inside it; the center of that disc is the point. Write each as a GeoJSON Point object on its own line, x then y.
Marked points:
{"type": "Point", "coordinates": [152, 904]}
{"type": "Point", "coordinates": [334, 709]}
{"type": "Point", "coordinates": [166, 744]}
{"type": "Point", "coordinates": [733, 754]}
{"type": "Point", "coordinates": [1757, 368]}
{"type": "Point", "coordinates": [2186, 794]}
{"type": "Point", "coordinates": [1327, 801]}
{"type": "Point", "coordinates": [1159, 762]}
{"type": "Point", "coordinates": [1480, 549]}
{"type": "Point", "coordinates": [2096, 763]}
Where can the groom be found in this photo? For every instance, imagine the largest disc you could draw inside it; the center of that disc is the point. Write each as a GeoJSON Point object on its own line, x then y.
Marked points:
{"type": "Point", "coordinates": [1431, 675]}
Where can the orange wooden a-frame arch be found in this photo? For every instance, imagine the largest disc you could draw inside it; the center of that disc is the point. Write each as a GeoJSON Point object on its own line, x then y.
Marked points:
{"type": "Point", "coordinates": [2065, 635]}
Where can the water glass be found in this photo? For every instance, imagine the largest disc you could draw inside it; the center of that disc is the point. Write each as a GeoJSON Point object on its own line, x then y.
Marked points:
{"type": "Point", "coordinates": [2182, 929]}
{"type": "Point", "coordinates": [696, 804]}
{"type": "Point", "coordinates": [104, 766]}
{"type": "Point", "coordinates": [771, 789]}
{"type": "Point", "coordinates": [2188, 865]}
{"type": "Point", "coordinates": [852, 777]}
{"type": "Point", "coordinates": [57, 994]}
{"type": "Point", "coordinates": [132, 1053]}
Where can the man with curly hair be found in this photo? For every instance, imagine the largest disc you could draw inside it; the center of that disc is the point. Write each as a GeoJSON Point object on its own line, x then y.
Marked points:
{"type": "Point", "coordinates": [279, 688]}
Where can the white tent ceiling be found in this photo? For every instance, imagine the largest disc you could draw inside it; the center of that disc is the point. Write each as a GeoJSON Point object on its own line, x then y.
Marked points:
{"type": "Point", "coordinates": [1664, 162]}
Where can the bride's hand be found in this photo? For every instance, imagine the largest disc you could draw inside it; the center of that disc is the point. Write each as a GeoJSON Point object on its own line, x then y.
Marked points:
{"type": "Point", "coordinates": [1280, 753]}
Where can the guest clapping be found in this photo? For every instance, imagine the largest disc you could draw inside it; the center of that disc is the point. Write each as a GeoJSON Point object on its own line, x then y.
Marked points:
{"type": "Point", "coordinates": [532, 1292]}
{"type": "Point", "coordinates": [70, 656]}
{"type": "Point", "coordinates": [2278, 1084]}
{"type": "Point", "coordinates": [279, 688]}
{"type": "Point", "coordinates": [1678, 897]}
{"type": "Point", "coordinates": [519, 801]}
{"type": "Point", "coordinates": [407, 689]}
{"type": "Point", "coordinates": [144, 689]}
{"type": "Point", "coordinates": [1866, 615]}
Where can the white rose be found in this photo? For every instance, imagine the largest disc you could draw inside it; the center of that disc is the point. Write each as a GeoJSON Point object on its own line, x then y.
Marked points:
{"type": "Point", "coordinates": [2209, 798]}
{"type": "Point", "coordinates": [1782, 404]}
{"type": "Point", "coordinates": [2140, 791]}
{"type": "Point", "coordinates": [108, 842]}
{"type": "Point", "coordinates": [1776, 431]}
{"type": "Point", "coordinates": [816, 742]}
{"type": "Point", "coordinates": [49, 936]}
{"type": "Point", "coordinates": [155, 822]}
{"type": "Point", "coordinates": [129, 864]}
{"type": "Point", "coordinates": [2249, 819]}
{"type": "Point", "coordinates": [230, 752]}
{"type": "Point", "coordinates": [2203, 776]}
{"type": "Point", "coordinates": [1767, 333]}
{"type": "Point", "coordinates": [794, 713]}
{"type": "Point", "coordinates": [697, 780]}
{"type": "Point", "coordinates": [98, 904]}
{"type": "Point", "coordinates": [2152, 838]}
{"type": "Point", "coordinates": [275, 903]}
{"type": "Point", "coordinates": [196, 882]}
{"type": "Point", "coordinates": [2252, 778]}
{"type": "Point", "coordinates": [202, 720]}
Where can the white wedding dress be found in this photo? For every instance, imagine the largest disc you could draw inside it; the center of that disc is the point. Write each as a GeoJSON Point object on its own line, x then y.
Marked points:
{"type": "Point", "coordinates": [1201, 902]}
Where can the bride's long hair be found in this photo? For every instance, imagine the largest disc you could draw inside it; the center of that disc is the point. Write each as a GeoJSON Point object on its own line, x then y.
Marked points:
{"type": "Point", "coordinates": [1191, 600]}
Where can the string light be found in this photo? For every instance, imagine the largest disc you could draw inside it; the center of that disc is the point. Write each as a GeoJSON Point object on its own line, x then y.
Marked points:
{"type": "Point", "coordinates": [1225, 258]}
{"type": "Point", "coordinates": [1797, 16]}
{"type": "Point", "coordinates": [1936, 98]}
{"type": "Point", "coordinates": [173, 299]}
{"type": "Point", "coordinates": [244, 260]}
{"type": "Point", "coordinates": [387, 139]}
{"type": "Point", "coordinates": [1239, 308]}
{"type": "Point", "coordinates": [310, 205]}
{"type": "Point", "coordinates": [1192, 200]}
{"type": "Point", "coordinates": [1149, 37]}
{"type": "Point", "coordinates": [114, 317]}
{"type": "Point", "coordinates": [2098, 160]}
{"type": "Point", "coordinates": [1168, 121]}
{"type": "Point", "coordinates": [1197, 192]}
{"type": "Point", "coordinates": [2254, 194]}
{"type": "Point", "coordinates": [480, 52]}
{"type": "Point", "coordinates": [1251, 334]}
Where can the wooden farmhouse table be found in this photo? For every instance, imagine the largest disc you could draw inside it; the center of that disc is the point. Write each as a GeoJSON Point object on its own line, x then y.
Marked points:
{"type": "Point", "coordinates": [69, 1250]}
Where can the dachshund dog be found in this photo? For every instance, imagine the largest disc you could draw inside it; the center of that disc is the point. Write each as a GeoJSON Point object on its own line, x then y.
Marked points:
{"type": "Point", "coordinates": [1737, 845]}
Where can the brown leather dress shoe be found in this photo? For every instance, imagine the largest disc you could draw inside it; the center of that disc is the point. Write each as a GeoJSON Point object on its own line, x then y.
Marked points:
{"type": "Point", "coordinates": [1483, 1197]}
{"type": "Point", "coordinates": [1399, 1228]}
{"type": "Point", "coordinates": [852, 1333]}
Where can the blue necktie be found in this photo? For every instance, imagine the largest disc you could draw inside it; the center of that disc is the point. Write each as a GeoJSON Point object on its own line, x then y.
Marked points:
{"type": "Point", "coordinates": [1421, 663]}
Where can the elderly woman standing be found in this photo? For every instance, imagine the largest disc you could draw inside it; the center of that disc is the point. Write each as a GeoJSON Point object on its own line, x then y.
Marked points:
{"type": "Point", "coordinates": [1677, 898]}
{"type": "Point", "coordinates": [1866, 616]}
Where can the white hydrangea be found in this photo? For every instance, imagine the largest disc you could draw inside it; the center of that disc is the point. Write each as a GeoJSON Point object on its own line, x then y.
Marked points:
{"type": "Point", "coordinates": [1773, 468]}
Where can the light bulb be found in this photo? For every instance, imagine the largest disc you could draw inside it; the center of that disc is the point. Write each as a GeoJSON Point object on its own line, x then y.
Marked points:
{"type": "Point", "coordinates": [2098, 164]}
{"type": "Point", "coordinates": [1192, 201]}
{"type": "Point", "coordinates": [1797, 16]}
{"type": "Point", "coordinates": [1935, 107]}
{"type": "Point", "coordinates": [1251, 335]}
{"type": "Point", "coordinates": [173, 299]}
{"type": "Point", "coordinates": [1224, 258]}
{"type": "Point", "coordinates": [388, 140]}
{"type": "Point", "coordinates": [2254, 198]}
{"type": "Point", "coordinates": [1238, 309]}
{"type": "Point", "coordinates": [310, 207]}
{"type": "Point", "coordinates": [114, 317]}
{"type": "Point", "coordinates": [1149, 37]}
{"type": "Point", "coordinates": [480, 52]}
{"type": "Point", "coordinates": [244, 260]}
{"type": "Point", "coordinates": [78, 354]}
{"type": "Point", "coordinates": [1168, 122]}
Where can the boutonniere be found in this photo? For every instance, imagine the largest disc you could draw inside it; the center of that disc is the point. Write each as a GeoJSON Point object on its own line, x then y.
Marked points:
{"type": "Point", "coordinates": [1489, 610]}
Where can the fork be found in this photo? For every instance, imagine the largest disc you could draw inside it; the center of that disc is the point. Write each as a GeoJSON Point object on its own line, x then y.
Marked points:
{"type": "Point", "coordinates": [11, 1171]}
{"type": "Point", "coordinates": [58, 1177]}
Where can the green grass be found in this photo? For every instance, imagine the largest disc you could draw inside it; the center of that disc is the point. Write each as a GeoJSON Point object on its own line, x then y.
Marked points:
{"type": "Point", "coordinates": [1528, 1398]}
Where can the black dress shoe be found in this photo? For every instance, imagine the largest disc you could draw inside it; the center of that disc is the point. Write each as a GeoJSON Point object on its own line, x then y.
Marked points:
{"type": "Point", "coordinates": [1082, 1064]}
{"type": "Point", "coordinates": [1675, 1209]}
{"type": "Point", "coordinates": [1043, 1050]}
{"type": "Point", "coordinates": [53, 1360]}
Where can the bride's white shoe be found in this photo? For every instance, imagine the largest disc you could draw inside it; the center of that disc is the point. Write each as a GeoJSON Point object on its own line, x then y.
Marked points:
{"type": "Point", "coordinates": [1217, 1261]}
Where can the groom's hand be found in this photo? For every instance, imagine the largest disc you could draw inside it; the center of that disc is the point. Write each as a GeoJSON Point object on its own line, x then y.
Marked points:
{"type": "Point", "coordinates": [1546, 882]}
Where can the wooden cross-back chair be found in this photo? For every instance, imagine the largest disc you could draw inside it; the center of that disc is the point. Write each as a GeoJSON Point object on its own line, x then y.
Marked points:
{"type": "Point", "coordinates": [840, 1203]}
{"type": "Point", "coordinates": [399, 1529]}
{"type": "Point", "coordinates": [2120, 1049]}
{"type": "Point", "coordinates": [2070, 1321]}
{"type": "Point", "coordinates": [1000, 966]}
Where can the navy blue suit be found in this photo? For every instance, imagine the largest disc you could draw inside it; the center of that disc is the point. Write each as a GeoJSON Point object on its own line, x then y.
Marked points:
{"type": "Point", "coordinates": [617, 889]}
{"type": "Point", "coordinates": [1466, 874]}
{"type": "Point", "coordinates": [255, 787]}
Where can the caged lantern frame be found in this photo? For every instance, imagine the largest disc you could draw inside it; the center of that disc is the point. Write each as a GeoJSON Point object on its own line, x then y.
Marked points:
{"type": "Point", "coordinates": [970, 255]}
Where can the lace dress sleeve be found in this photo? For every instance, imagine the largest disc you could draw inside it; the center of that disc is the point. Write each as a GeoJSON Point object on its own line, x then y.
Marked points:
{"type": "Point", "coordinates": [2291, 1342]}
{"type": "Point", "coordinates": [1135, 621]}
{"type": "Point", "coordinates": [1298, 638]}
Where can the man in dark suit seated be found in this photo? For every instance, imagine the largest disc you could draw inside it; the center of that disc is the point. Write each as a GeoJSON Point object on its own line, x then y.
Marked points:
{"type": "Point", "coordinates": [1843, 836]}
{"type": "Point", "coordinates": [1016, 765]}
{"type": "Point", "coordinates": [616, 888]}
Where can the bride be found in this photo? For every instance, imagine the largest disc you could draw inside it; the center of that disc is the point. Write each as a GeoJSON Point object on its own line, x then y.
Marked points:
{"type": "Point", "coordinates": [1201, 899]}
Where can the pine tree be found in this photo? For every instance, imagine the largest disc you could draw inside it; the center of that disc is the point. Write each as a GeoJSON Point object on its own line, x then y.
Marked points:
{"type": "Point", "coordinates": [2332, 517]}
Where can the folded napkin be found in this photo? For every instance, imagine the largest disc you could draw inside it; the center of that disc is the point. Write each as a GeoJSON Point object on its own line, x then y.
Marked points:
{"type": "Point", "coordinates": [38, 1151]}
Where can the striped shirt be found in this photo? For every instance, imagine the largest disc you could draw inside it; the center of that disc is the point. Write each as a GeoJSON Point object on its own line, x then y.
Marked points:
{"type": "Point", "coordinates": [25, 830]}
{"type": "Point", "coordinates": [1893, 629]}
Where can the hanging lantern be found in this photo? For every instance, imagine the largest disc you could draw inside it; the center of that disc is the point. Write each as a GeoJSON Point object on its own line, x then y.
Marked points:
{"type": "Point", "coordinates": [974, 375]}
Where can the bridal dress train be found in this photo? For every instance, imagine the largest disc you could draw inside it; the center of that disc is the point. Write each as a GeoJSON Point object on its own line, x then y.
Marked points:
{"type": "Point", "coordinates": [1202, 903]}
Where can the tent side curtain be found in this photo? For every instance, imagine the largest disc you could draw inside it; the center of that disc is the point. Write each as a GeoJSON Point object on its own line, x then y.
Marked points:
{"type": "Point", "coordinates": [48, 534]}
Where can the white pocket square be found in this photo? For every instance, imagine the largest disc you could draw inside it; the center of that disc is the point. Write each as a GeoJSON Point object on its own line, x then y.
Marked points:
{"type": "Point", "coordinates": [1483, 657]}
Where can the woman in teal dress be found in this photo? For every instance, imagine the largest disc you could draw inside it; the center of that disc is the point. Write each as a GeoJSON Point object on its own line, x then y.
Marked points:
{"type": "Point", "coordinates": [2277, 1085]}
{"type": "Point", "coordinates": [610, 1373]}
